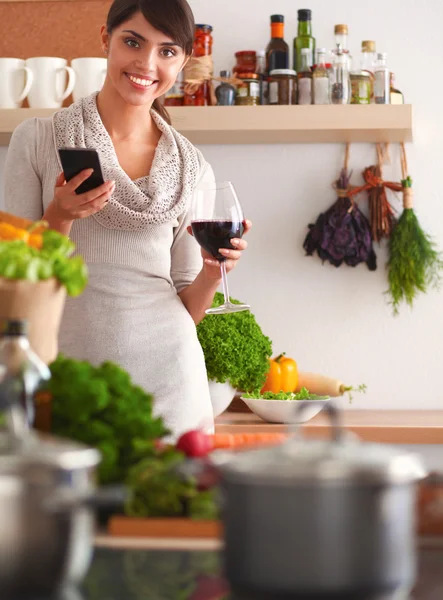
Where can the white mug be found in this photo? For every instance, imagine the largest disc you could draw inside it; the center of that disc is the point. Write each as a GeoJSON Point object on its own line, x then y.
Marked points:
{"type": "Point", "coordinates": [16, 81]}
{"type": "Point", "coordinates": [49, 88]}
{"type": "Point", "coordinates": [90, 76]}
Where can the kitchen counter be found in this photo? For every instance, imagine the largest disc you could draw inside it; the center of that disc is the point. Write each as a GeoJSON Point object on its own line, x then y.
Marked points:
{"type": "Point", "coordinates": [137, 573]}
{"type": "Point", "coordinates": [384, 426]}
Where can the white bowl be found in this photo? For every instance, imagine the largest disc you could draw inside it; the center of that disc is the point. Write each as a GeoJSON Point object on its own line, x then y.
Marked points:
{"type": "Point", "coordinates": [222, 394]}
{"type": "Point", "coordinates": [284, 411]}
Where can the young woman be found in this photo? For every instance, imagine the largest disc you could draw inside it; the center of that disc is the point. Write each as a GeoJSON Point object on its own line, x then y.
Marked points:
{"type": "Point", "coordinates": [148, 284]}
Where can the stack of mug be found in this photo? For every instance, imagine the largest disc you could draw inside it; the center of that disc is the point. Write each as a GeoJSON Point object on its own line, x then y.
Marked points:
{"type": "Point", "coordinates": [47, 81]}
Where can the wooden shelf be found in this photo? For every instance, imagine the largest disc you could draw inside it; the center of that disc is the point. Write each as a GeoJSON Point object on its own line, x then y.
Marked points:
{"type": "Point", "coordinates": [269, 124]}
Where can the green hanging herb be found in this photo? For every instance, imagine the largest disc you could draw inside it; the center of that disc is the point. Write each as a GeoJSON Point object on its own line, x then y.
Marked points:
{"type": "Point", "coordinates": [415, 264]}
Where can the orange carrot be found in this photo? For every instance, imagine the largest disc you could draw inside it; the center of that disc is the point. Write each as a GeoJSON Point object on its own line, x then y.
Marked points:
{"type": "Point", "coordinates": [222, 441]}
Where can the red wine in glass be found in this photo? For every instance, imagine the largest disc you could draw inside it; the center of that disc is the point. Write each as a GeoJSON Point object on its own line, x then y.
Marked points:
{"type": "Point", "coordinates": [215, 234]}
{"type": "Point", "coordinates": [217, 219]}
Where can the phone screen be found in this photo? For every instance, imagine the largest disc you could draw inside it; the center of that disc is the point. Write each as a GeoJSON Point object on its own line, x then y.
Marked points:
{"type": "Point", "coordinates": [75, 160]}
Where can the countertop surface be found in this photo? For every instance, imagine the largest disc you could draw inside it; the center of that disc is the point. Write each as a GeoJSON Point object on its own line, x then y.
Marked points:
{"type": "Point", "coordinates": [141, 574]}
{"type": "Point", "coordinates": [384, 426]}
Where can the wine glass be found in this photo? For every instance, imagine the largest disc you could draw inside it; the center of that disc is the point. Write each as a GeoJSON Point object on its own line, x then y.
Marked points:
{"type": "Point", "coordinates": [217, 219]}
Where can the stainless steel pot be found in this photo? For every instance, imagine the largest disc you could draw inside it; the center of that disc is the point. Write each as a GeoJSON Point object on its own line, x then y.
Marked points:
{"type": "Point", "coordinates": [330, 519]}
{"type": "Point", "coordinates": [47, 488]}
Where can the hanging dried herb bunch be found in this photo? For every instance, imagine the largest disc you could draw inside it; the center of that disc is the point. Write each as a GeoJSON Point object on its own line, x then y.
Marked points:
{"type": "Point", "coordinates": [381, 213]}
{"type": "Point", "coordinates": [415, 264]}
{"type": "Point", "coordinates": [342, 233]}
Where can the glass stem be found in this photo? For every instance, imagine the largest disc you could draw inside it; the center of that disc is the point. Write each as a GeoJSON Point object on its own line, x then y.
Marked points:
{"type": "Point", "coordinates": [224, 281]}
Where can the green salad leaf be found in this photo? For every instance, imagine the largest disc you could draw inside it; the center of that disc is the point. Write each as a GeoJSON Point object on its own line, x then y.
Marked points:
{"type": "Point", "coordinates": [303, 394]}
{"type": "Point", "coordinates": [20, 261]}
{"type": "Point", "coordinates": [235, 348]}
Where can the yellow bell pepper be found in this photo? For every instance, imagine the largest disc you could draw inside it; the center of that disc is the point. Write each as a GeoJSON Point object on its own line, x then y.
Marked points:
{"type": "Point", "coordinates": [9, 232]}
{"type": "Point", "coordinates": [282, 375]}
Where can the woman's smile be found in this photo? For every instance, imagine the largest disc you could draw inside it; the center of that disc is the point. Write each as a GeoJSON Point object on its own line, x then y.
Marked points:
{"type": "Point", "coordinates": [141, 82]}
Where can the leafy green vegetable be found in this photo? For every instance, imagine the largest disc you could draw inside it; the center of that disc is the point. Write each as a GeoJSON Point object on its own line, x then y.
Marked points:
{"type": "Point", "coordinates": [101, 407]}
{"type": "Point", "coordinates": [303, 394]}
{"type": "Point", "coordinates": [415, 264]}
{"type": "Point", "coordinates": [160, 490]}
{"type": "Point", "coordinates": [20, 261]}
{"type": "Point", "coordinates": [235, 348]}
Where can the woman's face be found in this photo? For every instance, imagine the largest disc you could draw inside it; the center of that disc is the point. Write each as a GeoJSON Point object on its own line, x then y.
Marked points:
{"type": "Point", "coordinates": [143, 63]}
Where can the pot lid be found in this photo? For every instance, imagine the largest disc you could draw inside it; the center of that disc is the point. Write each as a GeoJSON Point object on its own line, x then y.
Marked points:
{"type": "Point", "coordinates": [342, 460]}
{"type": "Point", "coordinates": [45, 450]}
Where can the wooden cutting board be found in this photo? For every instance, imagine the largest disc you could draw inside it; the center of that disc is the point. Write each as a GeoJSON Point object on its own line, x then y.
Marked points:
{"type": "Point", "coordinates": [120, 526]}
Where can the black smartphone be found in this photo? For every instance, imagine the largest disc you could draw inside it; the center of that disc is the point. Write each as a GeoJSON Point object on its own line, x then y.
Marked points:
{"type": "Point", "coordinates": [75, 160]}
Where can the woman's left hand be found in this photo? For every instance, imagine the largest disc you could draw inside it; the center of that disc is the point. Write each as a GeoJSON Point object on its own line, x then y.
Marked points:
{"type": "Point", "coordinates": [211, 266]}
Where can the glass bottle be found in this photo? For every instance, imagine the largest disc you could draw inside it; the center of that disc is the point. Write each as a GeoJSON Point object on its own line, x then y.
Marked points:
{"type": "Point", "coordinates": [304, 38]}
{"type": "Point", "coordinates": [340, 78]}
{"type": "Point", "coordinates": [263, 77]}
{"type": "Point", "coordinates": [200, 95]}
{"type": "Point", "coordinates": [21, 373]}
{"type": "Point", "coordinates": [304, 76]}
{"type": "Point", "coordinates": [368, 56]}
{"type": "Point", "coordinates": [341, 39]}
{"type": "Point", "coordinates": [225, 92]}
{"type": "Point", "coordinates": [320, 79]}
{"type": "Point", "coordinates": [396, 96]}
{"type": "Point", "coordinates": [277, 52]}
{"type": "Point", "coordinates": [382, 80]}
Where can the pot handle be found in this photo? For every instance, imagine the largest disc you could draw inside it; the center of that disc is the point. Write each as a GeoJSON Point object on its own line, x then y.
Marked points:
{"type": "Point", "coordinates": [105, 497]}
{"type": "Point", "coordinates": [337, 430]}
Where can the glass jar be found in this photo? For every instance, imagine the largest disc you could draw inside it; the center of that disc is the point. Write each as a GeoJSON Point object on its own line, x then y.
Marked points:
{"type": "Point", "coordinates": [361, 87]}
{"type": "Point", "coordinates": [246, 62]}
{"type": "Point", "coordinates": [248, 91]}
{"type": "Point", "coordinates": [283, 87]}
{"type": "Point", "coordinates": [202, 47]}
{"type": "Point", "coordinates": [175, 96]}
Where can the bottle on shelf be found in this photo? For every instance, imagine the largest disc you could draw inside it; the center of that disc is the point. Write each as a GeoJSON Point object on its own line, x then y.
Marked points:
{"type": "Point", "coordinates": [395, 95]}
{"type": "Point", "coordinates": [320, 79]}
{"type": "Point", "coordinates": [304, 38]}
{"type": "Point", "coordinates": [367, 61]}
{"type": "Point", "coordinates": [21, 374]}
{"type": "Point", "coordinates": [225, 92]}
{"type": "Point", "coordinates": [304, 76]}
{"type": "Point", "coordinates": [340, 89]}
{"type": "Point", "coordinates": [263, 77]}
{"type": "Point", "coordinates": [277, 52]}
{"type": "Point", "coordinates": [341, 32]}
{"type": "Point", "coordinates": [382, 80]}
{"type": "Point", "coordinates": [368, 56]}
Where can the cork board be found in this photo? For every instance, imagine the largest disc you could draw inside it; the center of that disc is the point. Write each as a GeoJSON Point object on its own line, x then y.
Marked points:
{"type": "Point", "coordinates": [66, 28]}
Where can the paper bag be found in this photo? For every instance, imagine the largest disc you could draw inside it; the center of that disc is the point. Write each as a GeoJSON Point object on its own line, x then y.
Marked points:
{"type": "Point", "coordinates": [41, 304]}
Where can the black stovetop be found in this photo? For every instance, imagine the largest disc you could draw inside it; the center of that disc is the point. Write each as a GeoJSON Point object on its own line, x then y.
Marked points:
{"type": "Point", "coordinates": [183, 575]}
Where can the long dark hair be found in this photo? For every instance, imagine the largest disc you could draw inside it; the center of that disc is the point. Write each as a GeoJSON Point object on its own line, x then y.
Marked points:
{"type": "Point", "coordinates": [174, 18]}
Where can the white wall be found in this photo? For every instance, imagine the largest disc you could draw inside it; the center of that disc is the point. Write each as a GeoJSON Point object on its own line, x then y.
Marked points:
{"type": "Point", "coordinates": [331, 320]}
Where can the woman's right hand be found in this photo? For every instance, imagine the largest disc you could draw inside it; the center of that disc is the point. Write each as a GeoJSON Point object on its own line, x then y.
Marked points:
{"type": "Point", "coordinates": [68, 206]}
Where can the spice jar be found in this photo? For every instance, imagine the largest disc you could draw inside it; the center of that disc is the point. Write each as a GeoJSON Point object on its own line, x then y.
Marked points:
{"type": "Point", "coordinates": [283, 87]}
{"type": "Point", "coordinates": [175, 96]}
{"type": "Point", "coordinates": [199, 67]}
{"type": "Point", "coordinates": [361, 87]}
{"type": "Point", "coordinates": [246, 62]}
{"type": "Point", "coordinates": [248, 91]}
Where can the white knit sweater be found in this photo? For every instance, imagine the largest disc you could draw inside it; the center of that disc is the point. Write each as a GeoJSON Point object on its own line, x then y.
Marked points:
{"type": "Point", "coordinates": [130, 312]}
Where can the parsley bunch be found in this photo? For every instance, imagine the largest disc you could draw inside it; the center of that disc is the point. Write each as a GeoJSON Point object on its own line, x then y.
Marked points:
{"type": "Point", "coordinates": [235, 348]}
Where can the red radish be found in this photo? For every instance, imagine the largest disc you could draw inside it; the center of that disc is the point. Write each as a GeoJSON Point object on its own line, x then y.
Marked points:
{"type": "Point", "coordinates": [210, 588]}
{"type": "Point", "coordinates": [195, 444]}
